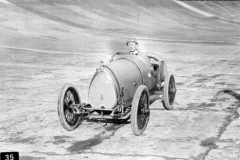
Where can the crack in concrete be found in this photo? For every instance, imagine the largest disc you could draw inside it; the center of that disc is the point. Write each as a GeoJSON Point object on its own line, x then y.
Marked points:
{"type": "Point", "coordinates": [30, 157]}
{"type": "Point", "coordinates": [211, 144]}
{"type": "Point", "coordinates": [199, 110]}
{"type": "Point", "coordinates": [112, 154]}
{"type": "Point", "coordinates": [28, 100]}
{"type": "Point", "coordinates": [135, 155]}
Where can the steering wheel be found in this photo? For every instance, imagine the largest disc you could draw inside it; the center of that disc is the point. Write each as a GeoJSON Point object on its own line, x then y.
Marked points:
{"type": "Point", "coordinates": [118, 53]}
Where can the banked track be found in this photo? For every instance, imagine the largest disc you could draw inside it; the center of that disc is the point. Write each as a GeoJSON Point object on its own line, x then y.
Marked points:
{"type": "Point", "coordinates": [166, 20]}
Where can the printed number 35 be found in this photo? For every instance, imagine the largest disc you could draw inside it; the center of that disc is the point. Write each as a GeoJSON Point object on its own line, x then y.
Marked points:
{"type": "Point", "coordinates": [9, 157]}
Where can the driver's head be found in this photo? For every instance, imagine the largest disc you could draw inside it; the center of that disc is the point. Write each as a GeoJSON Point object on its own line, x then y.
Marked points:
{"type": "Point", "coordinates": [132, 44]}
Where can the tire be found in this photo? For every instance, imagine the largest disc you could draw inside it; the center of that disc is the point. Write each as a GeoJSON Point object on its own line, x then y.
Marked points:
{"type": "Point", "coordinates": [140, 111]}
{"type": "Point", "coordinates": [67, 96]}
{"type": "Point", "coordinates": [169, 91]}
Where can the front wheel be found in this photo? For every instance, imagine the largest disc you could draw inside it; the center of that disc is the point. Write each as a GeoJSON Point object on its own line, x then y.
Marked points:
{"type": "Point", "coordinates": [169, 91]}
{"type": "Point", "coordinates": [68, 96]}
{"type": "Point", "coordinates": [140, 111]}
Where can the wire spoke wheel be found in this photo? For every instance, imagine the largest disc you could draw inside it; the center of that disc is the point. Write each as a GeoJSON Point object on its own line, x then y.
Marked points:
{"type": "Point", "coordinates": [169, 91]}
{"type": "Point", "coordinates": [172, 90]}
{"type": "Point", "coordinates": [70, 98]}
{"type": "Point", "coordinates": [140, 110]}
{"type": "Point", "coordinates": [67, 97]}
{"type": "Point", "coordinates": [143, 111]}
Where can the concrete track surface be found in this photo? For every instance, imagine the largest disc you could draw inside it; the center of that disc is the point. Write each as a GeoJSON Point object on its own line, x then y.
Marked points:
{"type": "Point", "coordinates": [46, 43]}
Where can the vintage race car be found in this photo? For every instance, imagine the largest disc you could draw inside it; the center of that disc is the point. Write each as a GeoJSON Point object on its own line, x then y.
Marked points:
{"type": "Point", "coordinates": [120, 90]}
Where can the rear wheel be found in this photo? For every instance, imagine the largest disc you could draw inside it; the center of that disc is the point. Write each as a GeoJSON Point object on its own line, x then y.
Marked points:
{"type": "Point", "coordinates": [68, 96]}
{"type": "Point", "coordinates": [169, 91]}
{"type": "Point", "coordinates": [140, 111]}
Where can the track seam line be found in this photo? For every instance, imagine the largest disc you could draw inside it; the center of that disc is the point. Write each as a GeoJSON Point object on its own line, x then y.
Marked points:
{"type": "Point", "coordinates": [196, 10]}
{"type": "Point", "coordinates": [46, 51]}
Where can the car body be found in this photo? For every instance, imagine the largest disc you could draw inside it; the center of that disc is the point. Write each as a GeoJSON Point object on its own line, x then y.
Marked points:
{"type": "Point", "coordinates": [120, 90]}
